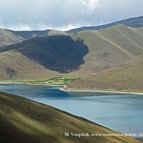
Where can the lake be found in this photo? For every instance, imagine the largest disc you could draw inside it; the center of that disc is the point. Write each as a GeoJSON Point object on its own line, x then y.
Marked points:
{"type": "Point", "coordinates": [119, 112]}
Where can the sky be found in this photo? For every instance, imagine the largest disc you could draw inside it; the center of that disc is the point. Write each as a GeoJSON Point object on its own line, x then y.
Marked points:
{"type": "Point", "coordinates": [65, 14]}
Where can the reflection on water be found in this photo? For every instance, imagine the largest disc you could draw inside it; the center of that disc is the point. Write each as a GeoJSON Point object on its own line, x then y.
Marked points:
{"type": "Point", "coordinates": [120, 112]}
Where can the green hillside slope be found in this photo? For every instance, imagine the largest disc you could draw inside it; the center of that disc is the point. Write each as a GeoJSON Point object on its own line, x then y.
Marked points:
{"type": "Point", "coordinates": [25, 121]}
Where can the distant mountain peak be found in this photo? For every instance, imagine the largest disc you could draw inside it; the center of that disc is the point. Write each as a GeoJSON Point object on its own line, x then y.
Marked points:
{"type": "Point", "coordinates": [135, 22]}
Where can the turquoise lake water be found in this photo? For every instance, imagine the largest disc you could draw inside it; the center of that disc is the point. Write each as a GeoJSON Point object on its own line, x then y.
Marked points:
{"type": "Point", "coordinates": [119, 112]}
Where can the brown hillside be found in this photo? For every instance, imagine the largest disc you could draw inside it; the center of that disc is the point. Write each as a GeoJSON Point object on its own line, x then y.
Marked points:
{"type": "Point", "coordinates": [25, 121]}
{"type": "Point", "coordinates": [81, 54]}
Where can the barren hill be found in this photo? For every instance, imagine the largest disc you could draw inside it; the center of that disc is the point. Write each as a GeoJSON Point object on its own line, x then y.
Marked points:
{"type": "Point", "coordinates": [84, 53]}
{"type": "Point", "coordinates": [126, 77]}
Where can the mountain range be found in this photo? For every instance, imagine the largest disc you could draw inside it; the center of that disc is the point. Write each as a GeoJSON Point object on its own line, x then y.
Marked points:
{"type": "Point", "coordinates": [88, 52]}
{"type": "Point", "coordinates": [131, 22]}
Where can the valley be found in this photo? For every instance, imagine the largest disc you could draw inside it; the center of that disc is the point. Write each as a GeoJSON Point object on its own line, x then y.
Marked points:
{"type": "Point", "coordinates": [85, 71]}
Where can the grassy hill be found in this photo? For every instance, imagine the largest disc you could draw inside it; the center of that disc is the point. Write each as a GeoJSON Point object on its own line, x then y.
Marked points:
{"type": "Point", "coordinates": [81, 54]}
{"type": "Point", "coordinates": [9, 37]}
{"type": "Point", "coordinates": [41, 57]}
{"type": "Point", "coordinates": [127, 77]}
{"type": "Point", "coordinates": [110, 47]}
{"type": "Point", "coordinates": [25, 121]}
{"type": "Point", "coordinates": [14, 65]}
{"type": "Point", "coordinates": [56, 53]}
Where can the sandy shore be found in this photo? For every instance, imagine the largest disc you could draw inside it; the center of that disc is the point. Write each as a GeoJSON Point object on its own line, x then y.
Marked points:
{"type": "Point", "coordinates": [101, 91]}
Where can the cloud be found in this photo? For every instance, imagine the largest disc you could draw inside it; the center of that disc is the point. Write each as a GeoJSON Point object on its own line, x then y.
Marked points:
{"type": "Point", "coordinates": [50, 13]}
{"type": "Point", "coordinates": [93, 4]}
{"type": "Point", "coordinates": [42, 14]}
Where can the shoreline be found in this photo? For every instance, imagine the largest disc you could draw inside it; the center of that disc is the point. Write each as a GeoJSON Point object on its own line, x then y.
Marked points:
{"type": "Point", "coordinates": [101, 91]}
{"type": "Point", "coordinates": [27, 83]}
{"type": "Point", "coordinates": [82, 90]}
{"type": "Point", "coordinates": [63, 88]}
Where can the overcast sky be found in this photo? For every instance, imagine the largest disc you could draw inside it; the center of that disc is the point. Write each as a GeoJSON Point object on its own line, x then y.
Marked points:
{"type": "Point", "coordinates": [65, 14]}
